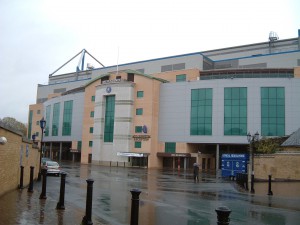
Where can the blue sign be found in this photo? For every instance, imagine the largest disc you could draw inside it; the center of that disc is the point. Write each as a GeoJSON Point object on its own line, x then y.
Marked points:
{"type": "Point", "coordinates": [233, 164]}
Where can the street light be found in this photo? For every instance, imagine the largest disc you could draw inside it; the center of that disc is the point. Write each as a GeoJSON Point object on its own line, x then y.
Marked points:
{"type": "Point", "coordinates": [251, 139]}
{"type": "Point", "coordinates": [42, 125]}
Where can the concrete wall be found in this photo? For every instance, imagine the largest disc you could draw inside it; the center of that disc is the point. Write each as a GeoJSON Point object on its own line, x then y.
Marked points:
{"type": "Point", "coordinates": [15, 152]}
{"type": "Point", "coordinates": [282, 166]}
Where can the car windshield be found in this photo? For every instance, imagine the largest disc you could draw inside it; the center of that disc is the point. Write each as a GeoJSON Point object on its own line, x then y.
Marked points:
{"type": "Point", "coordinates": [49, 163]}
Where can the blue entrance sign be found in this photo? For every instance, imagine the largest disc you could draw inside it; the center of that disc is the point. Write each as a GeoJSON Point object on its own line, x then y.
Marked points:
{"type": "Point", "coordinates": [234, 163]}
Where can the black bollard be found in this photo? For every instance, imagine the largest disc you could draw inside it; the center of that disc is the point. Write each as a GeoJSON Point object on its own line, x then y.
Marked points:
{"type": "Point", "coordinates": [134, 220]}
{"type": "Point", "coordinates": [252, 183]}
{"type": "Point", "coordinates": [61, 203]}
{"type": "Point", "coordinates": [245, 181]}
{"type": "Point", "coordinates": [87, 219]}
{"type": "Point", "coordinates": [223, 215]}
{"type": "Point", "coordinates": [44, 174]}
{"type": "Point", "coordinates": [21, 177]}
{"type": "Point", "coordinates": [270, 187]}
{"type": "Point", "coordinates": [30, 188]}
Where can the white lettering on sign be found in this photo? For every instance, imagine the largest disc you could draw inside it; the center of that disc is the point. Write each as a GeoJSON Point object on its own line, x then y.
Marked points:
{"type": "Point", "coordinates": [111, 81]}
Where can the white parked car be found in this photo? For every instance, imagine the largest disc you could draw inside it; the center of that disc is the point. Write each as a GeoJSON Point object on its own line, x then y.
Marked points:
{"type": "Point", "coordinates": [52, 167]}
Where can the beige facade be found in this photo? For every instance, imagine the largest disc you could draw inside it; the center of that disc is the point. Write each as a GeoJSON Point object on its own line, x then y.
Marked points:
{"type": "Point", "coordinates": [16, 152]}
{"type": "Point", "coordinates": [37, 114]}
{"type": "Point", "coordinates": [282, 166]}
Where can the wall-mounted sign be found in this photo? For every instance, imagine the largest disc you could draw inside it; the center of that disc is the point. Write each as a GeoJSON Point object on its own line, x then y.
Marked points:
{"type": "Point", "coordinates": [131, 154]}
{"type": "Point", "coordinates": [111, 81]}
{"type": "Point", "coordinates": [141, 137]}
{"type": "Point", "coordinates": [145, 130]}
{"type": "Point", "coordinates": [108, 89]}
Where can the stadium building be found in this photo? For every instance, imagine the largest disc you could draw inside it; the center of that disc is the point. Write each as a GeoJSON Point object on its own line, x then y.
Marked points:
{"type": "Point", "coordinates": [171, 111]}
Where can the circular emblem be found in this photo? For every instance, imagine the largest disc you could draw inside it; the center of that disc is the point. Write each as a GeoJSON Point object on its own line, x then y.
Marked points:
{"type": "Point", "coordinates": [108, 89]}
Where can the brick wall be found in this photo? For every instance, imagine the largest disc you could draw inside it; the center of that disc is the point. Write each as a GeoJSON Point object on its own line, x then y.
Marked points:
{"type": "Point", "coordinates": [11, 155]}
{"type": "Point", "coordinates": [282, 166]}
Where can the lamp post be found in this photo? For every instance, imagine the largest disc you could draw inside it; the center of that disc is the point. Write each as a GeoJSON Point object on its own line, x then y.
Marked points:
{"type": "Point", "coordinates": [42, 125]}
{"type": "Point", "coordinates": [251, 139]}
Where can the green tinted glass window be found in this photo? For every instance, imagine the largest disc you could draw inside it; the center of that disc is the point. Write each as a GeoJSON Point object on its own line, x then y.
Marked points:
{"type": "Point", "coordinates": [48, 112]}
{"type": "Point", "coordinates": [181, 78]}
{"type": "Point", "coordinates": [235, 111]}
{"type": "Point", "coordinates": [201, 112]}
{"type": "Point", "coordinates": [55, 120]}
{"type": "Point", "coordinates": [139, 111]}
{"type": "Point", "coordinates": [137, 144]}
{"type": "Point", "coordinates": [170, 147]}
{"type": "Point", "coordinates": [93, 98]}
{"type": "Point", "coordinates": [109, 118]}
{"type": "Point", "coordinates": [138, 129]}
{"type": "Point", "coordinates": [272, 111]}
{"type": "Point", "coordinates": [140, 94]}
{"type": "Point", "coordinates": [67, 118]}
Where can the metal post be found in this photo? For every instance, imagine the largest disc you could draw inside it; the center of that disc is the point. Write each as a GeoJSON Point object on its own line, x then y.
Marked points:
{"type": "Point", "coordinates": [270, 187]}
{"type": "Point", "coordinates": [61, 203]}
{"type": "Point", "coordinates": [30, 188]}
{"type": "Point", "coordinates": [134, 219]}
{"type": "Point", "coordinates": [21, 177]}
{"type": "Point", "coordinates": [252, 183]}
{"type": "Point", "coordinates": [43, 194]}
{"type": "Point", "coordinates": [87, 219]}
{"type": "Point", "coordinates": [223, 213]}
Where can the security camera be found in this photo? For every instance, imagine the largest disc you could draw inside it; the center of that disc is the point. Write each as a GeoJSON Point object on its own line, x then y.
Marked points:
{"type": "Point", "coordinates": [3, 140]}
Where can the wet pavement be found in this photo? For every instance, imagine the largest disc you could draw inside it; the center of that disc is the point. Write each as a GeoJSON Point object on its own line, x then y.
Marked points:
{"type": "Point", "coordinates": [169, 197]}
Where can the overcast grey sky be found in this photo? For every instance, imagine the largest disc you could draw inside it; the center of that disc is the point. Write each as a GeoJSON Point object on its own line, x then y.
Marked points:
{"type": "Point", "coordinates": [38, 36]}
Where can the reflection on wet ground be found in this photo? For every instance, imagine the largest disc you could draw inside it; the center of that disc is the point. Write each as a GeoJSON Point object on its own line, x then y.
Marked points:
{"type": "Point", "coordinates": [169, 197]}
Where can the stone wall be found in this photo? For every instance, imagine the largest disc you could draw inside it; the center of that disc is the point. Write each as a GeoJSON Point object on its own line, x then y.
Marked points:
{"type": "Point", "coordinates": [17, 151]}
{"type": "Point", "coordinates": [282, 166]}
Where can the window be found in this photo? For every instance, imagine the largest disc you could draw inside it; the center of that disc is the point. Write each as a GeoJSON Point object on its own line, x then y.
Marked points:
{"type": "Point", "coordinates": [170, 147]}
{"type": "Point", "coordinates": [48, 112]}
{"type": "Point", "coordinates": [79, 145]}
{"type": "Point", "coordinates": [130, 77]}
{"type": "Point", "coordinates": [30, 124]}
{"type": "Point", "coordinates": [92, 114]}
{"type": "Point", "coordinates": [235, 111]}
{"type": "Point", "coordinates": [201, 112]}
{"type": "Point", "coordinates": [118, 77]}
{"type": "Point", "coordinates": [39, 112]}
{"type": "Point", "coordinates": [91, 130]}
{"type": "Point", "coordinates": [138, 129]}
{"type": "Point", "coordinates": [166, 68]}
{"type": "Point", "coordinates": [93, 98]}
{"type": "Point", "coordinates": [109, 118]}
{"type": "Point", "coordinates": [139, 111]}
{"type": "Point", "coordinates": [180, 78]}
{"type": "Point", "coordinates": [37, 123]}
{"type": "Point", "coordinates": [55, 120]}
{"type": "Point", "coordinates": [90, 143]}
{"type": "Point", "coordinates": [178, 66]}
{"type": "Point", "coordinates": [140, 94]}
{"type": "Point", "coordinates": [67, 118]}
{"type": "Point", "coordinates": [272, 111]}
{"type": "Point", "coordinates": [138, 144]}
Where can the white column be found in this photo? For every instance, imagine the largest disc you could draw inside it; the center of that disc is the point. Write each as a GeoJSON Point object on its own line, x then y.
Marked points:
{"type": "Point", "coordinates": [217, 157]}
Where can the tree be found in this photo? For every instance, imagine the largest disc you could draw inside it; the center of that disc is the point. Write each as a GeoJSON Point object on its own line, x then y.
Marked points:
{"type": "Point", "coordinates": [12, 123]}
{"type": "Point", "coordinates": [269, 145]}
